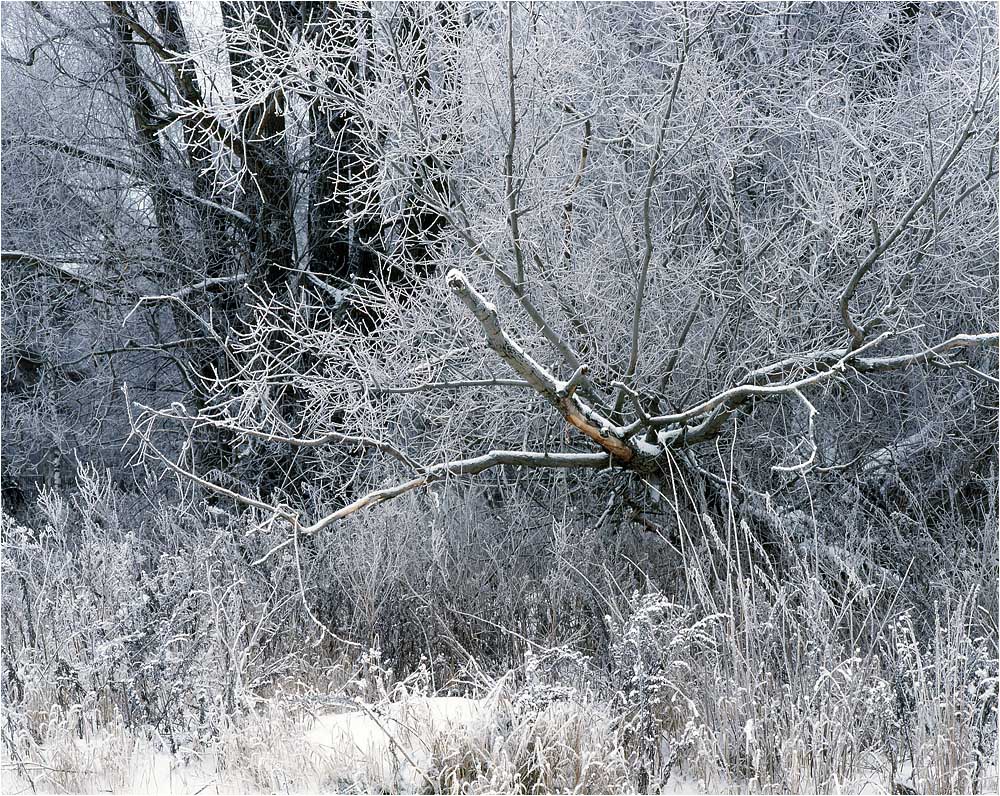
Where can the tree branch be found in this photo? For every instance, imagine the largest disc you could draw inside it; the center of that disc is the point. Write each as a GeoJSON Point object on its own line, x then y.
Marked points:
{"type": "Point", "coordinates": [882, 246]}
{"type": "Point", "coordinates": [647, 234]}
{"type": "Point", "coordinates": [451, 385]}
{"type": "Point", "coordinates": [205, 284]}
{"type": "Point", "coordinates": [127, 167]}
{"type": "Point", "coordinates": [811, 435]}
{"type": "Point", "coordinates": [580, 415]}
{"type": "Point", "coordinates": [508, 162]}
{"type": "Point", "coordinates": [836, 364]}
{"type": "Point", "coordinates": [462, 467]}
{"type": "Point", "coordinates": [327, 438]}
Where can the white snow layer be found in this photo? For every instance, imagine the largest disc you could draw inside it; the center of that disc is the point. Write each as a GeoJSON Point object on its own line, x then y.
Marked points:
{"type": "Point", "coordinates": [391, 747]}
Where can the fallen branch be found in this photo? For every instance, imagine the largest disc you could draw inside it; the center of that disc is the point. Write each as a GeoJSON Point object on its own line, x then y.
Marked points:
{"type": "Point", "coordinates": [642, 446]}
{"type": "Point", "coordinates": [463, 467]}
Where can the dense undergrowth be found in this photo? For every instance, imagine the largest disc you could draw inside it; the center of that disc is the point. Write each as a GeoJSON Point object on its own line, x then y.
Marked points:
{"type": "Point", "coordinates": [131, 631]}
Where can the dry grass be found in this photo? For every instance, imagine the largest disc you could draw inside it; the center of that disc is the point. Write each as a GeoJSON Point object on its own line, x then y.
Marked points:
{"type": "Point", "coordinates": [739, 681]}
{"type": "Point", "coordinates": [776, 706]}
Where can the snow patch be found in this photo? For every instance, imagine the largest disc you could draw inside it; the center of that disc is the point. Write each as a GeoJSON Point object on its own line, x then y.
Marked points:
{"type": "Point", "coordinates": [391, 747]}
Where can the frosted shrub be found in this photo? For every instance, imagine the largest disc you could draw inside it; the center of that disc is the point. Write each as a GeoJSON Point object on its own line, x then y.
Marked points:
{"type": "Point", "coordinates": [654, 646]}
{"type": "Point", "coordinates": [561, 674]}
{"type": "Point", "coordinates": [165, 626]}
{"type": "Point", "coordinates": [946, 701]}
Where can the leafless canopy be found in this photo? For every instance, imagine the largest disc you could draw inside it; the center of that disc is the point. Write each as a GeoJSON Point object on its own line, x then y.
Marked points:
{"type": "Point", "coordinates": [551, 237]}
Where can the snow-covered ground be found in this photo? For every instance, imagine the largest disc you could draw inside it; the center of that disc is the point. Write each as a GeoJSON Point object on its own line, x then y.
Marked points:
{"type": "Point", "coordinates": [387, 748]}
{"type": "Point", "coordinates": [392, 747]}
{"type": "Point", "coordinates": [145, 772]}
{"type": "Point", "coordinates": [398, 747]}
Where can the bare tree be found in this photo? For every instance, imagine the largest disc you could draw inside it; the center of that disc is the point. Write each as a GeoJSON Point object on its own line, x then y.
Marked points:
{"type": "Point", "coordinates": [241, 175]}
{"type": "Point", "coordinates": [655, 241]}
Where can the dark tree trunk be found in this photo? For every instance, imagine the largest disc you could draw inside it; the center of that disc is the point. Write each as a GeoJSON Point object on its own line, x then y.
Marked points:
{"type": "Point", "coordinates": [198, 148]}
{"type": "Point", "coordinates": [147, 122]}
{"type": "Point", "coordinates": [424, 223]}
{"type": "Point", "coordinates": [345, 226]}
{"type": "Point", "coordinates": [267, 178]}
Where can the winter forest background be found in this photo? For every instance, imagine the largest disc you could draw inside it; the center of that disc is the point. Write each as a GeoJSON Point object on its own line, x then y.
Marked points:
{"type": "Point", "coordinates": [608, 389]}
